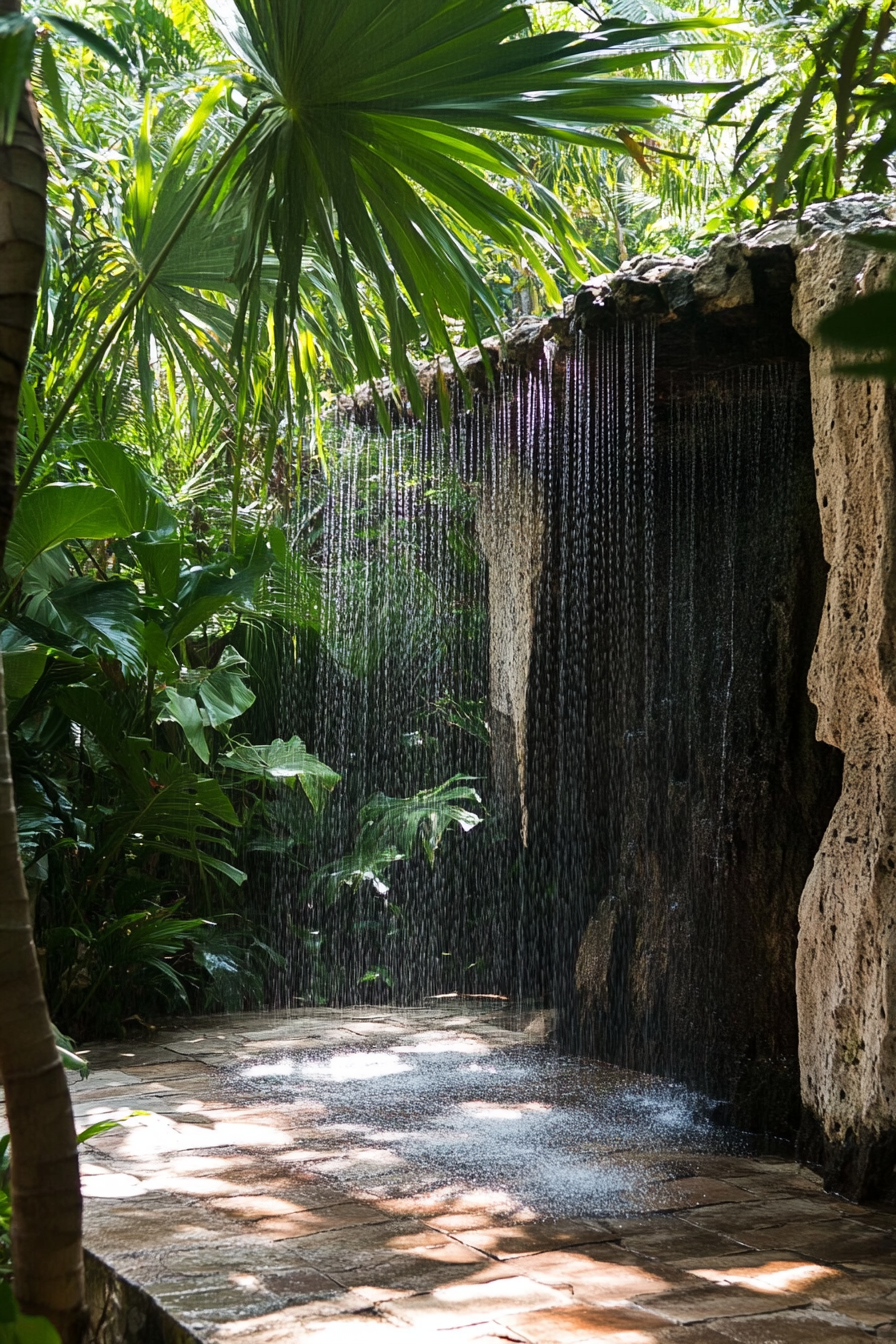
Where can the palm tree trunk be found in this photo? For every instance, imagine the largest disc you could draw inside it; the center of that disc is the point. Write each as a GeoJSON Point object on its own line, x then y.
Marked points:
{"type": "Point", "coordinates": [48, 1272]}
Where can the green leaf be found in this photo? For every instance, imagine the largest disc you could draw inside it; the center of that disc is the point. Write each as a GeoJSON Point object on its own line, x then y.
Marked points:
{"type": "Point", "coordinates": [186, 712]}
{"type": "Point", "coordinates": [101, 1127]}
{"type": "Point", "coordinates": [158, 654]}
{"type": "Point", "coordinates": [160, 564]}
{"type": "Point", "coordinates": [225, 696]}
{"type": "Point", "coordinates": [281, 762]}
{"type": "Point", "coordinates": [17, 34]}
{"type": "Point", "coordinates": [867, 324]}
{"type": "Point", "coordinates": [730, 100]}
{"type": "Point", "coordinates": [103, 617]}
{"type": "Point", "coordinates": [87, 37]}
{"type": "Point", "coordinates": [33, 1330]}
{"type": "Point", "coordinates": [52, 514]}
{"type": "Point", "coordinates": [378, 149]}
{"type": "Point", "coordinates": [8, 1308]}
{"type": "Point", "coordinates": [50, 76]}
{"type": "Point", "coordinates": [18, 1329]}
{"type": "Point", "coordinates": [278, 544]}
{"type": "Point", "coordinates": [22, 669]}
{"type": "Point", "coordinates": [139, 499]}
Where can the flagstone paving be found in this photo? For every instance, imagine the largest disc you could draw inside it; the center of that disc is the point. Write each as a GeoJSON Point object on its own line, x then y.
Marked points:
{"type": "Point", "coordinates": [252, 1218]}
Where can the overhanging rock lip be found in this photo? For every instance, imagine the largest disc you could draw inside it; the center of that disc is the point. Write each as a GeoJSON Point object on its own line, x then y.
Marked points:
{"type": "Point", "coordinates": [733, 284]}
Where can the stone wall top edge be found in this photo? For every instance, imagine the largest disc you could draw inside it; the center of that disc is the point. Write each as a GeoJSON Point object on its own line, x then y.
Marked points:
{"type": "Point", "coordinates": [738, 278]}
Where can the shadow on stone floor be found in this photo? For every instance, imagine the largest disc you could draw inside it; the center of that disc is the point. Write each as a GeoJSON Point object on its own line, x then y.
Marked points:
{"type": "Point", "coordinates": [252, 1218]}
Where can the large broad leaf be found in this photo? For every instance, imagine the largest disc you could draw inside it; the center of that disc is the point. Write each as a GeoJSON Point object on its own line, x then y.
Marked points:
{"type": "Point", "coordinates": [22, 670]}
{"type": "Point", "coordinates": [143, 507]}
{"type": "Point", "coordinates": [160, 562]}
{"type": "Point", "coordinates": [185, 711]}
{"type": "Point", "coordinates": [56, 513]}
{"type": "Point", "coordinates": [23, 662]}
{"type": "Point", "coordinates": [225, 696]}
{"type": "Point", "coordinates": [103, 617]}
{"type": "Point", "coordinates": [420, 822]}
{"type": "Point", "coordinates": [206, 590]}
{"type": "Point", "coordinates": [285, 762]}
{"type": "Point", "coordinates": [85, 706]}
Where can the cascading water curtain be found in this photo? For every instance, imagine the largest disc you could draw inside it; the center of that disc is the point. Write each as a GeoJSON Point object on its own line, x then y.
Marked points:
{"type": "Point", "coordinates": [671, 535]}
{"type": "Point", "coordinates": [400, 709]}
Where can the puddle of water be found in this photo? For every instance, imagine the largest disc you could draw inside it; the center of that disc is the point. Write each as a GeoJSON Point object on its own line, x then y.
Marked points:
{"type": "Point", "coordinates": [560, 1137]}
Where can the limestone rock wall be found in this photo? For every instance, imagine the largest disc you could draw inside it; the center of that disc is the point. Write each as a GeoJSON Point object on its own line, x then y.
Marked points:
{"type": "Point", "coordinates": [846, 960]}
{"type": "Point", "coordinates": [731, 309]}
{"type": "Point", "coordinates": [510, 524]}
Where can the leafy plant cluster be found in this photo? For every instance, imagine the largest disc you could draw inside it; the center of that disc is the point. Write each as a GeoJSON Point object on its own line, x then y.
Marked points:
{"type": "Point", "coordinates": [250, 211]}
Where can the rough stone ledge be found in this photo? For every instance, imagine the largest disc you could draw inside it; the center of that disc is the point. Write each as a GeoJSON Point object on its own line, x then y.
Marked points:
{"type": "Point", "coordinates": [122, 1312]}
{"type": "Point", "coordinates": [737, 275]}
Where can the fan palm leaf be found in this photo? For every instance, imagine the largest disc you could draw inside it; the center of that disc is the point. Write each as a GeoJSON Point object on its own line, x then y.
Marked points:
{"type": "Point", "coordinates": [377, 145]}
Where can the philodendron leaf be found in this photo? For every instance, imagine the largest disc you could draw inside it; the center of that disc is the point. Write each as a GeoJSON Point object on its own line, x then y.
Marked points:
{"type": "Point", "coordinates": [284, 762]}
{"type": "Point", "coordinates": [103, 617]}
{"type": "Point", "coordinates": [53, 514]}
{"type": "Point", "coordinates": [139, 499]}
{"type": "Point", "coordinates": [225, 696]}
{"type": "Point", "coordinates": [185, 710]}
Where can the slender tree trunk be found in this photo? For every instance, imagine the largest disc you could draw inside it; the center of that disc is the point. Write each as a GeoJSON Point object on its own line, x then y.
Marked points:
{"type": "Point", "coordinates": [48, 1271]}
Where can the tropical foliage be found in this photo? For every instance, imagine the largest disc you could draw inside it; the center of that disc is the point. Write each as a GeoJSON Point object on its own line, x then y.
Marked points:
{"type": "Point", "coordinates": [239, 229]}
{"type": "Point", "coordinates": [253, 205]}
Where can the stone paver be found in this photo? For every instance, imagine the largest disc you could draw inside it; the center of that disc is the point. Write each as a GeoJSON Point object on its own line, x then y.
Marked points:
{"type": "Point", "coordinates": [258, 1222]}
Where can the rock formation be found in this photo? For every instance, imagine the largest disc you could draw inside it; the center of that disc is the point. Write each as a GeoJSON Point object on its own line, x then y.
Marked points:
{"type": "Point", "coordinates": [846, 963]}
{"type": "Point", "coordinates": [510, 525]}
{"type": "Point", "coordinates": [753, 299]}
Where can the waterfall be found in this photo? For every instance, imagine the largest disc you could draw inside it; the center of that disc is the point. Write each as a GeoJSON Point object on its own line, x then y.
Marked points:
{"type": "Point", "coordinates": [596, 593]}
{"type": "Point", "coordinates": [399, 705]}
{"type": "Point", "coordinates": [671, 721]}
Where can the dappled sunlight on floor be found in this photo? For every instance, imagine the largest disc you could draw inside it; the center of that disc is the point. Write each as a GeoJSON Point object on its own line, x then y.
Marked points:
{"type": "Point", "coordinates": [424, 1176]}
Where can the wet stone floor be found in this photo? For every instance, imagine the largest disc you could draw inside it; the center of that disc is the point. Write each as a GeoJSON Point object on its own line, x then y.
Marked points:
{"type": "Point", "coordinates": [439, 1174]}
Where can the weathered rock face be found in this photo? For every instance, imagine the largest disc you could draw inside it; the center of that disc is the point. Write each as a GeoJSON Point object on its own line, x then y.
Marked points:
{"type": "Point", "coordinates": [666, 892]}
{"type": "Point", "coordinates": [510, 524]}
{"type": "Point", "coordinates": [677, 791]}
{"type": "Point", "coordinates": [846, 963]}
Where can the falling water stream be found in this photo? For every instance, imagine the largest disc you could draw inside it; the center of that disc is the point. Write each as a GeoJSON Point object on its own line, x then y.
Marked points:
{"type": "Point", "coordinates": [589, 597]}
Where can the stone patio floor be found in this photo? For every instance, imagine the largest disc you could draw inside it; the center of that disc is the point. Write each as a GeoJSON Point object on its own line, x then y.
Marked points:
{"type": "Point", "coordinates": [249, 1223]}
